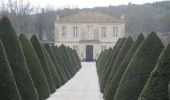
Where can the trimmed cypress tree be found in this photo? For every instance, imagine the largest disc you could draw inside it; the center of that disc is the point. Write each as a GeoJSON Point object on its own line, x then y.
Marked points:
{"type": "Point", "coordinates": [139, 68]}
{"type": "Point", "coordinates": [53, 70]}
{"type": "Point", "coordinates": [108, 69]}
{"type": "Point", "coordinates": [156, 86]}
{"type": "Point", "coordinates": [75, 60]}
{"type": "Point", "coordinates": [61, 74]}
{"type": "Point", "coordinates": [65, 52]}
{"type": "Point", "coordinates": [107, 62]}
{"type": "Point", "coordinates": [74, 67]}
{"type": "Point", "coordinates": [102, 66]}
{"type": "Point", "coordinates": [121, 55]}
{"type": "Point", "coordinates": [42, 58]}
{"type": "Point", "coordinates": [35, 68]}
{"type": "Point", "coordinates": [8, 88]}
{"type": "Point", "coordinates": [17, 62]}
{"type": "Point", "coordinates": [67, 55]}
{"type": "Point", "coordinates": [100, 62]}
{"type": "Point", "coordinates": [104, 72]}
{"type": "Point", "coordinates": [110, 91]}
{"type": "Point", "coordinates": [169, 90]}
{"type": "Point", "coordinates": [59, 57]}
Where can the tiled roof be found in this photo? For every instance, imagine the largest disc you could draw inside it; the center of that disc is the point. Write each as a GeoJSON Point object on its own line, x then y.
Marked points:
{"type": "Point", "coordinates": [89, 17]}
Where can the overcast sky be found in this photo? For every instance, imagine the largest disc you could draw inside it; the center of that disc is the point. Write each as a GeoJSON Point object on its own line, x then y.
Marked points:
{"type": "Point", "coordinates": [86, 3]}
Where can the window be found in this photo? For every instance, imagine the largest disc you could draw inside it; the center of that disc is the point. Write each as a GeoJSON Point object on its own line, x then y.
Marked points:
{"type": "Point", "coordinates": [76, 48]}
{"type": "Point", "coordinates": [103, 48]}
{"type": "Point", "coordinates": [75, 31]}
{"type": "Point", "coordinates": [115, 31]}
{"type": "Point", "coordinates": [103, 32]}
{"type": "Point", "coordinates": [89, 32]}
{"type": "Point", "coordinates": [63, 31]}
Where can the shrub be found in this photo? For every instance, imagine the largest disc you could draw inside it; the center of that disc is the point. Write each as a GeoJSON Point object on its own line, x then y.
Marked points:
{"type": "Point", "coordinates": [108, 67]}
{"type": "Point", "coordinates": [156, 86]}
{"type": "Point", "coordinates": [35, 68]}
{"type": "Point", "coordinates": [53, 70]}
{"type": "Point", "coordinates": [110, 91]}
{"type": "Point", "coordinates": [8, 88]}
{"type": "Point", "coordinates": [63, 62]}
{"type": "Point", "coordinates": [61, 73]}
{"type": "Point", "coordinates": [121, 55]}
{"type": "Point", "coordinates": [17, 62]}
{"type": "Point", "coordinates": [42, 58]}
{"type": "Point", "coordinates": [169, 89]}
{"type": "Point", "coordinates": [139, 68]}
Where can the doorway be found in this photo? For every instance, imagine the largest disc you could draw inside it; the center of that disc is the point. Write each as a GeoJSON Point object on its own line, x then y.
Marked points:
{"type": "Point", "coordinates": [89, 53]}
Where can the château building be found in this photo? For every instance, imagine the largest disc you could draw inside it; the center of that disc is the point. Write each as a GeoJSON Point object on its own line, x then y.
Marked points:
{"type": "Point", "coordinates": [89, 33]}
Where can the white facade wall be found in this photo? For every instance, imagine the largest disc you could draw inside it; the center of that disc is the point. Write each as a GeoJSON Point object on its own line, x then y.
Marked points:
{"type": "Point", "coordinates": [95, 39]}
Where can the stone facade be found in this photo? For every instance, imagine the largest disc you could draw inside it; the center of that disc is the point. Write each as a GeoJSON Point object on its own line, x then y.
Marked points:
{"type": "Point", "coordinates": [89, 33]}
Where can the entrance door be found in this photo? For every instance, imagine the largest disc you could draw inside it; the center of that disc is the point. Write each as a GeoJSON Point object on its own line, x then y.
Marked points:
{"type": "Point", "coordinates": [89, 53]}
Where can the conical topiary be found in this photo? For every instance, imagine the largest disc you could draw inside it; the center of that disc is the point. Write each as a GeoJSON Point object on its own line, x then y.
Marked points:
{"type": "Point", "coordinates": [58, 58]}
{"type": "Point", "coordinates": [42, 58]}
{"type": "Point", "coordinates": [156, 86]}
{"type": "Point", "coordinates": [76, 65]}
{"type": "Point", "coordinates": [169, 89]}
{"type": "Point", "coordinates": [8, 88]}
{"type": "Point", "coordinates": [107, 71]}
{"type": "Point", "coordinates": [59, 55]}
{"type": "Point", "coordinates": [99, 61]}
{"type": "Point", "coordinates": [17, 62]}
{"type": "Point", "coordinates": [63, 52]}
{"type": "Point", "coordinates": [58, 68]}
{"type": "Point", "coordinates": [66, 55]}
{"type": "Point", "coordinates": [102, 65]}
{"type": "Point", "coordinates": [121, 55]}
{"type": "Point", "coordinates": [54, 72]}
{"type": "Point", "coordinates": [110, 91]}
{"type": "Point", "coordinates": [78, 60]}
{"type": "Point", "coordinates": [35, 68]}
{"type": "Point", "coordinates": [139, 68]}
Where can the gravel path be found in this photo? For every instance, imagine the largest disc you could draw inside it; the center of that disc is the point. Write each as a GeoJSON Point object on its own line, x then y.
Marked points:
{"type": "Point", "coordinates": [83, 86]}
